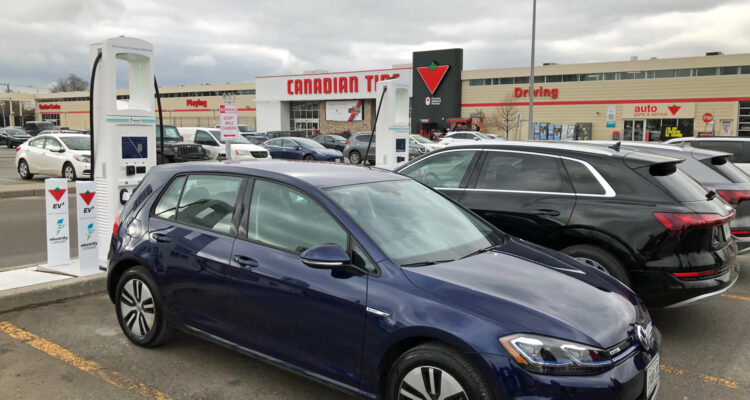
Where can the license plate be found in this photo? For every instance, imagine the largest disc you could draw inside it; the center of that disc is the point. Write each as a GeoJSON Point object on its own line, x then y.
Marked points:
{"type": "Point", "coordinates": [338, 160]}
{"type": "Point", "coordinates": [652, 376]}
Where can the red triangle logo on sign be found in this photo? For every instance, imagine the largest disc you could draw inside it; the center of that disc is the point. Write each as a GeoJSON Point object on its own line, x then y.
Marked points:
{"type": "Point", "coordinates": [674, 108]}
{"type": "Point", "coordinates": [432, 75]}
{"type": "Point", "coordinates": [87, 197]}
{"type": "Point", "coordinates": [57, 193]}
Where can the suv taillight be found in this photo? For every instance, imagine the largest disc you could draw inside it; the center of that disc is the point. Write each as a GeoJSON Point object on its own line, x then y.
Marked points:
{"type": "Point", "coordinates": [116, 226]}
{"type": "Point", "coordinates": [346, 141]}
{"type": "Point", "coordinates": [734, 197]}
{"type": "Point", "coordinates": [679, 223]}
{"type": "Point", "coordinates": [18, 148]}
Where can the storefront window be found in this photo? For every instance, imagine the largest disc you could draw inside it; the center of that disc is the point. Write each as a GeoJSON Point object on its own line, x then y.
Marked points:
{"type": "Point", "coordinates": [521, 79]}
{"type": "Point", "coordinates": [609, 76]}
{"type": "Point", "coordinates": [728, 70]}
{"type": "Point", "coordinates": [706, 71]}
{"type": "Point", "coordinates": [304, 116]}
{"type": "Point", "coordinates": [681, 73]}
{"type": "Point", "coordinates": [554, 78]}
{"type": "Point", "coordinates": [570, 78]}
{"type": "Point", "coordinates": [745, 69]}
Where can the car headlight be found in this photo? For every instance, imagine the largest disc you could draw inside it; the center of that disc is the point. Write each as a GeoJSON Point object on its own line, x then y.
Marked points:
{"type": "Point", "coordinates": [175, 149]}
{"type": "Point", "coordinates": [544, 355]}
{"type": "Point", "coordinates": [82, 158]}
{"type": "Point", "coordinates": [241, 152]}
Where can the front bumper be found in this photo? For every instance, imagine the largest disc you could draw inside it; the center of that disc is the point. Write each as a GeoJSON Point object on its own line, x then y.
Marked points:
{"type": "Point", "coordinates": [625, 381]}
{"type": "Point", "coordinates": [82, 169]}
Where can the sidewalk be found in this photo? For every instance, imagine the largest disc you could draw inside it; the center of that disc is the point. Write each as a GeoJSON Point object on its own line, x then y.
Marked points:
{"type": "Point", "coordinates": [34, 285]}
{"type": "Point", "coordinates": [27, 189]}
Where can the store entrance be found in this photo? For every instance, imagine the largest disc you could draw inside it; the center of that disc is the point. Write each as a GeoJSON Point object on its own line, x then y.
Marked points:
{"type": "Point", "coordinates": [633, 129]}
{"type": "Point", "coordinates": [304, 116]}
{"type": "Point", "coordinates": [309, 126]}
{"type": "Point", "coordinates": [656, 130]}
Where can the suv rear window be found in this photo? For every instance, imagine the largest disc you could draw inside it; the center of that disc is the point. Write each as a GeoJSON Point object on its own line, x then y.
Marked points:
{"type": "Point", "coordinates": [362, 138]}
{"type": "Point", "coordinates": [727, 146]}
{"type": "Point", "coordinates": [677, 183]}
{"type": "Point", "coordinates": [727, 169]}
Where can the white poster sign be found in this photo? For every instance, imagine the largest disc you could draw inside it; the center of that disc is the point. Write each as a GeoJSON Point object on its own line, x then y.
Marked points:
{"type": "Point", "coordinates": [58, 221]}
{"type": "Point", "coordinates": [611, 116]}
{"type": "Point", "coordinates": [229, 121]}
{"type": "Point", "coordinates": [87, 235]}
{"type": "Point", "coordinates": [344, 110]}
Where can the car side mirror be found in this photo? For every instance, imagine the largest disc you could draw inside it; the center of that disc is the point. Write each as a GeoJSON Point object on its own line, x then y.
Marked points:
{"type": "Point", "coordinates": [298, 148]}
{"type": "Point", "coordinates": [325, 256]}
{"type": "Point", "coordinates": [476, 138]}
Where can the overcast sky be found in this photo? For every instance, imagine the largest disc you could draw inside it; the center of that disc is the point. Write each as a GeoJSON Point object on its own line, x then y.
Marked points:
{"type": "Point", "coordinates": [235, 41]}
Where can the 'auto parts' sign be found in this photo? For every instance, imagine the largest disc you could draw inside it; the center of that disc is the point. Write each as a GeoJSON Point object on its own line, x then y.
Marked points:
{"type": "Point", "coordinates": [658, 110]}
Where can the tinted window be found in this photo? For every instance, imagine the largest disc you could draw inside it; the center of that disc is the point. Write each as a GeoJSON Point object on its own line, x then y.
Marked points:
{"type": "Point", "coordinates": [208, 202]}
{"type": "Point", "coordinates": [288, 144]}
{"type": "Point", "coordinates": [37, 142]}
{"type": "Point", "coordinates": [727, 169]}
{"type": "Point", "coordinates": [53, 145]}
{"type": "Point", "coordinates": [273, 142]}
{"type": "Point", "coordinates": [289, 219]}
{"type": "Point", "coordinates": [202, 137]}
{"type": "Point", "coordinates": [526, 172]}
{"type": "Point", "coordinates": [700, 171]}
{"type": "Point", "coordinates": [677, 183]}
{"type": "Point", "coordinates": [361, 259]}
{"type": "Point", "coordinates": [167, 206]}
{"type": "Point", "coordinates": [443, 170]}
{"type": "Point", "coordinates": [727, 146]}
{"type": "Point", "coordinates": [584, 182]}
{"type": "Point", "coordinates": [363, 138]}
{"type": "Point", "coordinates": [77, 143]}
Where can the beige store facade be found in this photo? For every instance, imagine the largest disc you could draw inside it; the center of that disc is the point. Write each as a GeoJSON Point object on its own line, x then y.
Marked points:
{"type": "Point", "coordinates": [630, 100]}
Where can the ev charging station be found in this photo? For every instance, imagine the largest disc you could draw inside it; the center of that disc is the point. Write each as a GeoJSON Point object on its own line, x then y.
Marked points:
{"type": "Point", "coordinates": [124, 143]}
{"type": "Point", "coordinates": [392, 126]}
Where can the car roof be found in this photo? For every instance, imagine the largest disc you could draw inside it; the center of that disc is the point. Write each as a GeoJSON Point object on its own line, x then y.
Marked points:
{"type": "Point", "coordinates": [60, 135]}
{"type": "Point", "coordinates": [318, 174]}
{"type": "Point", "coordinates": [711, 138]}
{"type": "Point", "coordinates": [668, 149]}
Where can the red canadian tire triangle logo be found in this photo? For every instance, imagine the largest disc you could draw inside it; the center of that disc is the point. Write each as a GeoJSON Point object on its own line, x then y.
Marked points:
{"type": "Point", "coordinates": [87, 197]}
{"type": "Point", "coordinates": [57, 193]}
{"type": "Point", "coordinates": [674, 108]}
{"type": "Point", "coordinates": [432, 75]}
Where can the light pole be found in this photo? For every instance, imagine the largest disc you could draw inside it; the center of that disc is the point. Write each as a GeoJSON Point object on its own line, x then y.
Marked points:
{"type": "Point", "coordinates": [531, 76]}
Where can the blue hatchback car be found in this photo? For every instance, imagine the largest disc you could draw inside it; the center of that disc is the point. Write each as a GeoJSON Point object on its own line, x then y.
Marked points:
{"type": "Point", "coordinates": [297, 148]}
{"type": "Point", "coordinates": [373, 283]}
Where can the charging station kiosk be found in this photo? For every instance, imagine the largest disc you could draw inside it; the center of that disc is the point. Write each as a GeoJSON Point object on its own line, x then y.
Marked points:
{"type": "Point", "coordinates": [392, 127]}
{"type": "Point", "coordinates": [123, 130]}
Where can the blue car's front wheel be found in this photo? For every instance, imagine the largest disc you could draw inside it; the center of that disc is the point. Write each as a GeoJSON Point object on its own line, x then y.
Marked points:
{"type": "Point", "coordinates": [139, 308]}
{"type": "Point", "coordinates": [309, 157]}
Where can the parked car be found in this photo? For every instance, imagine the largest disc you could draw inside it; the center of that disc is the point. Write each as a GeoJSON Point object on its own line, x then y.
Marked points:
{"type": "Point", "coordinates": [345, 275]}
{"type": "Point", "coordinates": [495, 136]}
{"type": "Point", "coordinates": [176, 149]}
{"type": "Point", "coordinates": [254, 138]}
{"type": "Point", "coordinates": [632, 214]}
{"type": "Point", "coordinates": [34, 128]}
{"type": "Point", "coordinates": [357, 147]}
{"type": "Point", "coordinates": [739, 147]}
{"type": "Point", "coordinates": [66, 155]}
{"type": "Point", "coordinates": [462, 137]}
{"type": "Point", "coordinates": [335, 142]}
{"type": "Point", "coordinates": [713, 170]}
{"type": "Point", "coordinates": [428, 144]}
{"type": "Point", "coordinates": [211, 141]}
{"type": "Point", "coordinates": [296, 148]}
{"type": "Point", "coordinates": [278, 134]}
{"type": "Point", "coordinates": [12, 136]}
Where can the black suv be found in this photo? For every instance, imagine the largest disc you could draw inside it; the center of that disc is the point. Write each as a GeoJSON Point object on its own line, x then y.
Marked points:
{"type": "Point", "coordinates": [176, 149]}
{"type": "Point", "coordinates": [631, 214]}
{"type": "Point", "coordinates": [33, 128]}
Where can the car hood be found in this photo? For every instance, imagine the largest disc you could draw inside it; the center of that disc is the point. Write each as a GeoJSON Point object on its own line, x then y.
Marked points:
{"type": "Point", "coordinates": [248, 147]}
{"type": "Point", "coordinates": [328, 152]}
{"type": "Point", "coordinates": [81, 152]}
{"type": "Point", "coordinates": [527, 288]}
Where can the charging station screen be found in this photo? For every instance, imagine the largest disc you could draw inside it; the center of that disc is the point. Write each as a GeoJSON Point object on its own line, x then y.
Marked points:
{"type": "Point", "coordinates": [400, 145]}
{"type": "Point", "coordinates": [134, 147]}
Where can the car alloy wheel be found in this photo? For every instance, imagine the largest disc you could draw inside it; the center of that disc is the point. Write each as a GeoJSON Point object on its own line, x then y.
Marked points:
{"type": "Point", "coordinates": [430, 383]}
{"type": "Point", "coordinates": [23, 170]}
{"type": "Point", "coordinates": [354, 157]}
{"type": "Point", "coordinates": [309, 157]}
{"type": "Point", "coordinates": [69, 173]}
{"type": "Point", "coordinates": [137, 307]}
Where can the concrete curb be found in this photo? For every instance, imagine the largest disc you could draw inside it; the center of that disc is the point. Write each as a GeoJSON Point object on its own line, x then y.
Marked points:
{"type": "Point", "coordinates": [51, 292]}
{"type": "Point", "coordinates": [30, 192]}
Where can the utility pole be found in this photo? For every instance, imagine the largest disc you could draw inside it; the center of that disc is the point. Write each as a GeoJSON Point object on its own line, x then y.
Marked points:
{"type": "Point", "coordinates": [531, 76]}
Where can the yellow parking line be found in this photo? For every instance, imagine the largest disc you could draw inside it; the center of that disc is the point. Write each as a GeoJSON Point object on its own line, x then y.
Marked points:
{"type": "Point", "coordinates": [705, 378]}
{"type": "Point", "coordinates": [732, 296]}
{"type": "Point", "coordinates": [90, 367]}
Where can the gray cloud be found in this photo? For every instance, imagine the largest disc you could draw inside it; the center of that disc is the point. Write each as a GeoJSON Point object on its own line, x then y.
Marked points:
{"type": "Point", "coordinates": [233, 41]}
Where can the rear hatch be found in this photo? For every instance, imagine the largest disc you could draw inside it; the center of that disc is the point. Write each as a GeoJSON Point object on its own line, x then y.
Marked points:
{"type": "Point", "coordinates": [696, 225]}
{"type": "Point", "coordinates": [736, 193]}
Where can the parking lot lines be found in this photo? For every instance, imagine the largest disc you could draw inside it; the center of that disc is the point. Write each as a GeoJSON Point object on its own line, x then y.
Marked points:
{"type": "Point", "coordinates": [734, 296]}
{"type": "Point", "coordinates": [706, 378]}
{"type": "Point", "coordinates": [90, 367]}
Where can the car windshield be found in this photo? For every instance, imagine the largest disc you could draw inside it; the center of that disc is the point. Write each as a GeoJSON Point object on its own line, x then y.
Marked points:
{"type": "Point", "coordinates": [413, 224]}
{"type": "Point", "coordinates": [309, 144]}
{"type": "Point", "coordinates": [420, 139]}
{"type": "Point", "coordinates": [15, 132]}
{"type": "Point", "coordinates": [170, 133]}
{"type": "Point", "coordinates": [217, 134]}
{"type": "Point", "coordinates": [77, 143]}
{"type": "Point", "coordinates": [244, 128]}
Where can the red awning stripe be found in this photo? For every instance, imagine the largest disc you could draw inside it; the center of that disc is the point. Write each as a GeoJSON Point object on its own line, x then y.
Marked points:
{"type": "Point", "coordinates": [590, 102]}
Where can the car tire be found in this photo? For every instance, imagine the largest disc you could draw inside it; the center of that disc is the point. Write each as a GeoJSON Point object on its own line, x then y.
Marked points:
{"type": "Point", "coordinates": [69, 172]}
{"type": "Point", "coordinates": [23, 170]}
{"type": "Point", "coordinates": [355, 157]}
{"type": "Point", "coordinates": [600, 259]}
{"type": "Point", "coordinates": [416, 368]}
{"type": "Point", "coordinates": [144, 321]}
{"type": "Point", "coordinates": [308, 157]}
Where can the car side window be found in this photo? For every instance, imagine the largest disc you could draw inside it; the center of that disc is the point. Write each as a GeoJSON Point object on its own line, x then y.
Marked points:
{"type": "Point", "coordinates": [584, 182]}
{"type": "Point", "coordinates": [361, 259]}
{"type": "Point", "coordinates": [288, 144]}
{"type": "Point", "coordinates": [39, 143]}
{"type": "Point", "coordinates": [167, 206]}
{"type": "Point", "coordinates": [53, 145]}
{"type": "Point", "coordinates": [734, 147]}
{"type": "Point", "coordinates": [208, 202]}
{"type": "Point", "coordinates": [202, 137]}
{"type": "Point", "coordinates": [364, 138]}
{"type": "Point", "coordinates": [289, 219]}
{"type": "Point", "coordinates": [443, 170]}
{"type": "Point", "coordinates": [522, 172]}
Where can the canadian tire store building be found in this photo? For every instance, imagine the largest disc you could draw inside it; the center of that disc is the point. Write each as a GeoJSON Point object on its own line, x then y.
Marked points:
{"type": "Point", "coordinates": [630, 100]}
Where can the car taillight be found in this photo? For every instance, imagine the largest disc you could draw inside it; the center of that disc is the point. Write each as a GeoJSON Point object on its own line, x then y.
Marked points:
{"type": "Point", "coordinates": [678, 223]}
{"type": "Point", "coordinates": [734, 197]}
{"type": "Point", "coordinates": [740, 233]}
{"type": "Point", "coordinates": [346, 141]}
{"type": "Point", "coordinates": [440, 140]}
{"type": "Point", "coordinates": [699, 274]}
{"type": "Point", "coordinates": [116, 226]}
{"type": "Point", "coordinates": [18, 148]}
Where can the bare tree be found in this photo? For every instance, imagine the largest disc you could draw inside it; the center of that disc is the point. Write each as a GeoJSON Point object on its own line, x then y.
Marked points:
{"type": "Point", "coordinates": [73, 83]}
{"type": "Point", "coordinates": [504, 118]}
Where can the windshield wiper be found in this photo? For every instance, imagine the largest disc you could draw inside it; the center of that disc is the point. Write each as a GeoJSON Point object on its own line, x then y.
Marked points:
{"type": "Point", "coordinates": [423, 263]}
{"type": "Point", "coordinates": [480, 251]}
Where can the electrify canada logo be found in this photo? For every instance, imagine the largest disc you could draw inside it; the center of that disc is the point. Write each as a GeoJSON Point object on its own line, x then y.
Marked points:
{"type": "Point", "coordinates": [432, 75]}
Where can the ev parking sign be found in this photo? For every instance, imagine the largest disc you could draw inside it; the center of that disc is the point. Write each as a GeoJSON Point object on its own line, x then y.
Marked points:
{"type": "Point", "coordinates": [229, 122]}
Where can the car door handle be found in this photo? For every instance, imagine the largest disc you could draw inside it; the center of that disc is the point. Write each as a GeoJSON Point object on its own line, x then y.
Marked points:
{"type": "Point", "coordinates": [546, 212]}
{"type": "Point", "coordinates": [246, 262]}
{"type": "Point", "coordinates": [160, 237]}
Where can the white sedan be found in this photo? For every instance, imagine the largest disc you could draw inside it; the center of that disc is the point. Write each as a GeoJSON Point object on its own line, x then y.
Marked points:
{"type": "Point", "coordinates": [210, 139]}
{"type": "Point", "coordinates": [462, 138]}
{"type": "Point", "coordinates": [427, 143]}
{"type": "Point", "coordinates": [66, 155]}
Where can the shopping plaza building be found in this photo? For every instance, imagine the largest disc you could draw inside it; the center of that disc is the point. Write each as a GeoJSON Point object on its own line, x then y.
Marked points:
{"type": "Point", "coordinates": [629, 100]}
